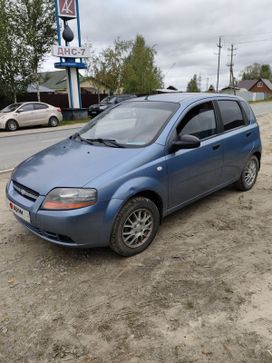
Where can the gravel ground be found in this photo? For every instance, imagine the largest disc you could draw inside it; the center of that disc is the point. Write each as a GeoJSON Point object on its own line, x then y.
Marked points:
{"type": "Point", "coordinates": [201, 292]}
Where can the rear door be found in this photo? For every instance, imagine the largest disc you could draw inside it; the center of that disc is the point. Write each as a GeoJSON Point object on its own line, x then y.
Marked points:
{"type": "Point", "coordinates": [41, 113]}
{"type": "Point", "coordinates": [237, 138]}
{"type": "Point", "coordinates": [195, 172]}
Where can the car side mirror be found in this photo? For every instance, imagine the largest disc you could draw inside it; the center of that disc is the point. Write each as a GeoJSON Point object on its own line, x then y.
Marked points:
{"type": "Point", "coordinates": [185, 142]}
{"type": "Point", "coordinates": [18, 111]}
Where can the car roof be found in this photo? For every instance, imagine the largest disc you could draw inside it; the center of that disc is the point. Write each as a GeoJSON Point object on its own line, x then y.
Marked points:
{"type": "Point", "coordinates": [188, 98]}
{"type": "Point", "coordinates": [22, 103]}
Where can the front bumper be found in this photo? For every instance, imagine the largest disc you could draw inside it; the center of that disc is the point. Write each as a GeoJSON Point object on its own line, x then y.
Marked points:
{"type": "Point", "coordinates": [2, 124]}
{"type": "Point", "coordinates": [84, 227]}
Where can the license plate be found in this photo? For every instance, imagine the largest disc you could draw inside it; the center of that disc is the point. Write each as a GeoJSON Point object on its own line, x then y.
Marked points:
{"type": "Point", "coordinates": [19, 211]}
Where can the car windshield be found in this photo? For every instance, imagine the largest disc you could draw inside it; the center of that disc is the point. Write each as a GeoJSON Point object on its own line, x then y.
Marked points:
{"type": "Point", "coordinates": [130, 124]}
{"type": "Point", "coordinates": [11, 107]}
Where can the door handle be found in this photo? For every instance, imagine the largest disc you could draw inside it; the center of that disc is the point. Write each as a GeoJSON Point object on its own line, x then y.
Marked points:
{"type": "Point", "coordinates": [215, 147]}
{"type": "Point", "coordinates": [248, 133]}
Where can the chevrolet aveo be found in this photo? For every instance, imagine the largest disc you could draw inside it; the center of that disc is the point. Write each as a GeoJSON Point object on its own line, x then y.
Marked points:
{"type": "Point", "coordinates": [114, 181]}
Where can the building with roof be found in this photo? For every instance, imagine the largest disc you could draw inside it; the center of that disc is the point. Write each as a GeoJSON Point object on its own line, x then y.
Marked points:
{"type": "Point", "coordinates": [56, 81]}
{"type": "Point", "coordinates": [260, 85]}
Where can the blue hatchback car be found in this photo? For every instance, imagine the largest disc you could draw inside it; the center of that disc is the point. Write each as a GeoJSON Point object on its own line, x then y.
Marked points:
{"type": "Point", "coordinates": [114, 181]}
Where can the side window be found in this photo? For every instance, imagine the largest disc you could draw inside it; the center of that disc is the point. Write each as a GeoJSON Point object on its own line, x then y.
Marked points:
{"type": "Point", "coordinates": [26, 107]}
{"type": "Point", "coordinates": [231, 114]}
{"type": "Point", "coordinates": [200, 121]}
{"type": "Point", "coordinates": [247, 110]}
{"type": "Point", "coordinates": [40, 106]}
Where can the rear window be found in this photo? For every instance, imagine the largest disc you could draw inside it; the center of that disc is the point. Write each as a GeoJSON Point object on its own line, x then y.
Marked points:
{"type": "Point", "coordinates": [231, 113]}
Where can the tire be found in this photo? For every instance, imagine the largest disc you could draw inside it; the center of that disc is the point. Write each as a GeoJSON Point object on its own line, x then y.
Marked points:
{"type": "Point", "coordinates": [135, 227]}
{"type": "Point", "coordinates": [53, 121]}
{"type": "Point", "coordinates": [249, 174]}
{"type": "Point", "coordinates": [12, 125]}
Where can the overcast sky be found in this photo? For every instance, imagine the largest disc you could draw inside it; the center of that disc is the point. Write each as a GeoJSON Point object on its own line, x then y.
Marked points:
{"type": "Point", "coordinates": [184, 33]}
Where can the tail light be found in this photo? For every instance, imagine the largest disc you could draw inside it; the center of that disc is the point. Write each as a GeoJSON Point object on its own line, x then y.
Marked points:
{"type": "Point", "coordinates": [58, 109]}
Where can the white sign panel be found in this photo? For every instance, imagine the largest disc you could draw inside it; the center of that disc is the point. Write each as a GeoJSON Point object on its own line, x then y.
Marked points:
{"type": "Point", "coordinates": [71, 52]}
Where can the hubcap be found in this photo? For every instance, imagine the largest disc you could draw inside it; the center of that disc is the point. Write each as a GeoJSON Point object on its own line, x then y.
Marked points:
{"type": "Point", "coordinates": [137, 228]}
{"type": "Point", "coordinates": [250, 172]}
{"type": "Point", "coordinates": [12, 126]}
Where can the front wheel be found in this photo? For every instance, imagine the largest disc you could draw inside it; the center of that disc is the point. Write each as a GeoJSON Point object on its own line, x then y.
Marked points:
{"type": "Point", "coordinates": [135, 226]}
{"type": "Point", "coordinates": [12, 125]}
{"type": "Point", "coordinates": [249, 174]}
{"type": "Point", "coordinates": [53, 121]}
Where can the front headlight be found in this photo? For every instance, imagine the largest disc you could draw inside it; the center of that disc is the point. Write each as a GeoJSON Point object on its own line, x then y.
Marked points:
{"type": "Point", "coordinates": [69, 198]}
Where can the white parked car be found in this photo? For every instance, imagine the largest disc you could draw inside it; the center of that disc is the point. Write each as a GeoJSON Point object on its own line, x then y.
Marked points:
{"type": "Point", "coordinates": [29, 114]}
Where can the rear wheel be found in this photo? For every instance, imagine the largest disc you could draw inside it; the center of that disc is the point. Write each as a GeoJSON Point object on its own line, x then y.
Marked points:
{"type": "Point", "coordinates": [53, 121]}
{"type": "Point", "coordinates": [12, 125]}
{"type": "Point", "coordinates": [135, 226]}
{"type": "Point", "coordinates": [249, 174]}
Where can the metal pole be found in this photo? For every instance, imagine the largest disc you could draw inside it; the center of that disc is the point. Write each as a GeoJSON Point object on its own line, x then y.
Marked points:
{"type": "Point", "coordinates": [57, 21]}
{"type": "Point", "coordinates": [78, 24]}
{"type": "Point", "coordinates": [218, 64]}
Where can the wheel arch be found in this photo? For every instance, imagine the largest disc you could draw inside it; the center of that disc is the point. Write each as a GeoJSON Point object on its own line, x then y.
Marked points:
{"type": "Point", "coordinates": [153, 196]}
{"type": "Point", "coordinates": [258, 156]}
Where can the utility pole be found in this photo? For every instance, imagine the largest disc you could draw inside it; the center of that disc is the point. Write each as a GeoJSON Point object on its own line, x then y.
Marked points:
{"type": "Point", "coordinates": [207, 84]}
{"type": "Point", "coordinates": [219, 46]}
{"type": "Point", "coordinates": [231, 79]}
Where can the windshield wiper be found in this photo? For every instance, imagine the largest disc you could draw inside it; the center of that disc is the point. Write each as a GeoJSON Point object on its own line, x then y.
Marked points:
{"type": "Point", "coordinates": [77, 136]}
{"type": "Point", "coordinates": [107, 142]}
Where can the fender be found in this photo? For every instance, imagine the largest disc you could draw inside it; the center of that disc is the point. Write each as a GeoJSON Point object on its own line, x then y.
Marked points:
{"type": "Point", "coordinates": [127, 191]}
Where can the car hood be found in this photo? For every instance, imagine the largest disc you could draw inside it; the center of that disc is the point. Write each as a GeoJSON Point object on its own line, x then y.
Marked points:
{"type": "Point", "coordinates": [69, 164]}
{"type": "Point", "coordinates": [7, 114]}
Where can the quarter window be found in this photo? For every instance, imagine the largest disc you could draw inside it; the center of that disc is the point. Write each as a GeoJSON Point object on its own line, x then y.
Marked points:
{"type": "Point", "coordinates": [247, 110]}
{"type": "Point", "coordinates": [199, 121]}
{"type": "Point", "coordinates": [231, 115]}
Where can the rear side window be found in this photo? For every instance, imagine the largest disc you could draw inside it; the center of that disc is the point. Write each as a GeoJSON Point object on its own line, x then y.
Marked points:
{"type": "Point", "coordinates": [199, 121]}
{"type": "Point", "coordinates": [231, 115]}
{"type": "Point", "coordinates": [40, 106]}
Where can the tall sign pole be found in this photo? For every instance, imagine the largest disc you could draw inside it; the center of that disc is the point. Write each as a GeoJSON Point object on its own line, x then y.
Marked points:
{"type": "Point", "coordinates": [70, 57]}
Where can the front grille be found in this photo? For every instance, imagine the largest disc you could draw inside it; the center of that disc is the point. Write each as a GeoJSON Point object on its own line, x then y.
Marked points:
{"type": "Point", "coordinates": [25, 191]}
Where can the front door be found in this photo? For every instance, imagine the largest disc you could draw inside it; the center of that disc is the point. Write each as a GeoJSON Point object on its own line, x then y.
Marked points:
{"type": "Point", "coordinates": [195, 172]}
{"type": "Point", "coordinates": [25, 115]}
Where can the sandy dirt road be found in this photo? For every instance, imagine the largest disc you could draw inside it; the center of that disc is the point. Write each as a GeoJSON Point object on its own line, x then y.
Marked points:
{"type": "Point", "coordinates": [202, 292]}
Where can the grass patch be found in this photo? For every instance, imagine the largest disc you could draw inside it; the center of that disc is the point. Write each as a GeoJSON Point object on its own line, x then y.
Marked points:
{"type": "Point", "coordinates": [74, 122]}
{"type": "Point", "coordinates": [261, 101]}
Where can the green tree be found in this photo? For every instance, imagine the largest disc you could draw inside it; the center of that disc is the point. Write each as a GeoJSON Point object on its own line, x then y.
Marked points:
{"type": "Point", "coordinates": [26, 33]}
{"type": "Point", "coordinates": [39, 31]}
{"type": "Point", "coordinates": [107, 66]}
{"type": "Point", "coordinates": [252, 71]}
{"type": "Point", "coordinates": [14, 61]}
{"type": "Point", "coordinates": [140, 74]}
{"type": "Point", "coordinates": [266, 72]}
{"type": "Point", "coordinates": [192, 85]}
{"type": "Point", "coordinates": [256, 71]}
